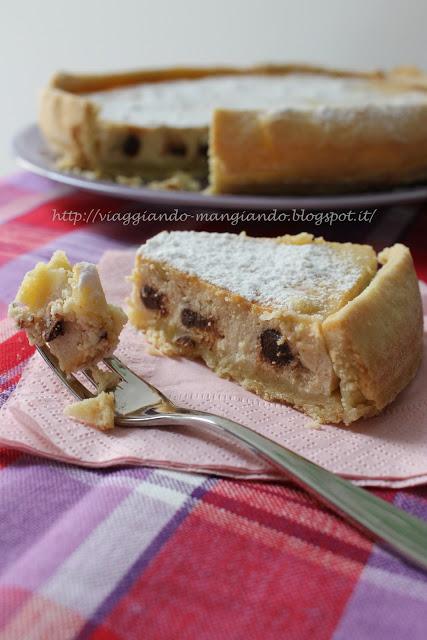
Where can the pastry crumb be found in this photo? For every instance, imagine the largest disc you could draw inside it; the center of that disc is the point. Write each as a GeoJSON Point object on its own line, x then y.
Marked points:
{"type": "Point", "coordinates": [179, 181]}
{"type": "Point", "coordinates": [97, 412]}
{"type": "Point", "coordinates": [313, 424]}
{"type": "Point", "coordinates": [105, 380]}
{"type": "Point", "coordinates": [176, 181]}
{"type": "Point", "coordinates": [153, 351]}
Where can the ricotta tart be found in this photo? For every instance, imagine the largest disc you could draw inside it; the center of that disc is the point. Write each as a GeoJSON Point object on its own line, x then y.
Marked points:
{"type": "Point", "coordinates": [332, 329]}
{"type": "Point", "coordinates": [267, 129]}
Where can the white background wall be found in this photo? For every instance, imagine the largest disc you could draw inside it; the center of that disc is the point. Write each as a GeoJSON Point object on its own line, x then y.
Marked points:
{"type": "Point", "coordinates": [38, 37]}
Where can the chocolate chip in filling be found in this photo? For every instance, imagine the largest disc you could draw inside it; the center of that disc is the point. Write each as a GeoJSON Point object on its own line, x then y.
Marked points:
{"type": "Point", "coordinates": [274, 348]}
{"type": "Point", "coordinates": [192, 319]}
{"type": "Point", "coordinates": [185, 341]}
{"type": "Point", "coordinates": [55, 329]}
{"type": "Point", "coordinates": [154, 300]}
{"type": "Point", "coordinates": [203, 149]}
{"type": "Point", "coordinates": [176, 148]}
{"type": "Point", "coordinates": [131, 145]}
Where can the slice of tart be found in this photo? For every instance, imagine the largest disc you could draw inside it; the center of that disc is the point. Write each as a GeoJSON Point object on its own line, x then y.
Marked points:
{"type": "Point", "coordinates": [267, 129]}
{"type": "Point", "coordinates": [64, 306]}
{"type": "Point", "coordinates": [332, 329]}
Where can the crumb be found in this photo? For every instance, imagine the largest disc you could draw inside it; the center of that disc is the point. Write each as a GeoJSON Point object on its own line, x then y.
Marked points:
{"type": "Point", "coordinates": [313, 424]}
{"type": "Point", "coordinates": [97, 412]}
{"type": "Point", "coordinates": [152, 351]}
{"type": "Point", "coordinates": [105, 380]}
{"type": "Point", "coordinates": [177, 181]}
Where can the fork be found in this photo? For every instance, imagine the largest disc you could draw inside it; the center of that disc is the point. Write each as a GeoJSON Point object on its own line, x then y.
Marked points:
{"type": "Point", "coordinates": [139, 404]}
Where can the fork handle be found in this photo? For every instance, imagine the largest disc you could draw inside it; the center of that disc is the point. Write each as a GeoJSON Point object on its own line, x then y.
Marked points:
{"type": "Point", "coordinates": [401, 532]}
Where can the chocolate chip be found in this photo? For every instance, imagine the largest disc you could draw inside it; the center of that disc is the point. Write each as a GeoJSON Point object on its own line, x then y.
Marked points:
{"type": "Point", "coordinates": [153, 299]}
{"type": "Point", "coordinates": [278, 354]}
{"type": "Point", "coordinates": [178, 149]}
{"type": "Point", "coordinates": [55, 329]}
{"type": "Point", "coordinates": [103, 336]}
{"type": "Point", "coordinates": [131, 145]}
{"type": "Point", "coordinates": [186, 342]}
{"type": "Point", "coordinates": [202, 150]}
{"type": "Point", "coordinates": [190, 319]}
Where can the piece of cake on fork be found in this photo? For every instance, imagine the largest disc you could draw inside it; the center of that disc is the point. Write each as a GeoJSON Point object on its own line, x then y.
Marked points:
{"type": "Point", "coordinates": [64, 307]}
{"type": "Point", "coordinates": [330, 328]}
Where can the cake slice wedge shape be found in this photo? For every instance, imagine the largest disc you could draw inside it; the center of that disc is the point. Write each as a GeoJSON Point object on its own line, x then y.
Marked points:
{"type": "Point", "coordinates": [295, 319]}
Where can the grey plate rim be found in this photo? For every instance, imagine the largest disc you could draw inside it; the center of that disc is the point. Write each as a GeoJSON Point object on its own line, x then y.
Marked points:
{"type": "Point", "coordinates": [33, 155]}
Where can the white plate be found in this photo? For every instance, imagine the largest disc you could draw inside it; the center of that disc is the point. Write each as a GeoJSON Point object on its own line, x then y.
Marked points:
{"type": "Point", "coordinates": [33, 154]}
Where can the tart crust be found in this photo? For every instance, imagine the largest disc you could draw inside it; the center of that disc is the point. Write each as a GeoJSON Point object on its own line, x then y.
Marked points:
{"type": "Point", "coordinates": [249, 151]}
{"type": "Point", "coordinates": [375, 341]}
{"type": "Point", "coordinates": [345, 363]}
{"type": "Point", "coordinates": [296, 152]}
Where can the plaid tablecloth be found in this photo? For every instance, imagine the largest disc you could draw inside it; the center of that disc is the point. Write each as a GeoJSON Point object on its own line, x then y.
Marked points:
{"type": "Point", "coordinates": [134, 553]}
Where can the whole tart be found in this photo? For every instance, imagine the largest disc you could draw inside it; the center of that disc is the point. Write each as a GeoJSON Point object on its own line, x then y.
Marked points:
{"type": "Point", "coordinates": [266, 129]}
{"type": "Point", "coordinates": [332, 329]}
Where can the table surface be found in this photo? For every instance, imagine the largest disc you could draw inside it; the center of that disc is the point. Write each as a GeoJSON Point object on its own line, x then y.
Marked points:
{"type": "Point", "coordinates": [130, 553]}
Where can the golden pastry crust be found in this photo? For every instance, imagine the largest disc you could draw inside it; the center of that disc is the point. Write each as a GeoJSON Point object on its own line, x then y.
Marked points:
{"type": "Point", "coordinates": [85, 83]}
{"type": "Point", "coordinates": [296, 151]}
{"type": "Point", "coordinates": [343, 364]}
{"type": "Point", "coordinates": [70, 123]}
{"type": "Point", "coordinates": [375, 341]}
{"type": "Point", "coordinates": [250, 152]}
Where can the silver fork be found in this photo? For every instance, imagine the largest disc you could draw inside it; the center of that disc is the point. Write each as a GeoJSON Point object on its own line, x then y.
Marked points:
{"type": "Point", "coordinates": [139, 404]}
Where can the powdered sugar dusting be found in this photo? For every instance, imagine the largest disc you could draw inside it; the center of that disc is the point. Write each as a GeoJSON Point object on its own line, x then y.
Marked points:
{"type": "Point", "coordinates": [309, 277]}
{"type": "Point", "coordinates": [88, 275]}
{"type": "Point", "coordinates": [190, 103]}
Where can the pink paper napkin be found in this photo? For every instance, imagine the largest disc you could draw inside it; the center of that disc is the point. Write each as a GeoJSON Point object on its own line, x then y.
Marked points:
{"type": "Point", "coordinates": [389, 450]}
